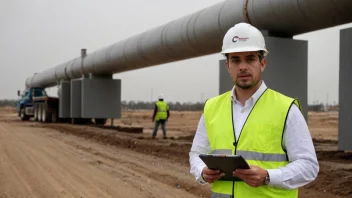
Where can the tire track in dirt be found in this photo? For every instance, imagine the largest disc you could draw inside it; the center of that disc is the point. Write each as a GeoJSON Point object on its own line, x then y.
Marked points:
{"type": "Point", "coordinates": [50, 164]}
{"type": "Point", "coordinates": [165, 150]}
{"type": "Point", "coordinates": [35, 173]}
{"type": "Point", "coordinates": [9, 168]}
{"type": "Point", "coordinates": [127, 168]}
{"type": "Point", "coordinates": [138, 169]}
{"type": "Point", "coordinates": [63, 175]}
{"type": "Point", "coordinates": [76, 171]}
{"type": "Point", "coordinates": [131, 165]}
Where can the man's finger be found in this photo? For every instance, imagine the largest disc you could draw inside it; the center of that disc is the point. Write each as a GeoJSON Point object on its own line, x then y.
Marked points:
{"type": "Point", "coordinates": [246, 171]}
{"type": "Point", "coordinates": [235, 173]}
{"type": "Point", "coordinates": [210, 172]}
{"type": "Point", "coordinates": [215, 177]}
{"type": "Point", "coordinates": [212, 178]}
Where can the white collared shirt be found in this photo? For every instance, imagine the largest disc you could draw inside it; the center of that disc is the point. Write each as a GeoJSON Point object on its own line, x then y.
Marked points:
{"type": "Point", "coordinates": [303, 167]}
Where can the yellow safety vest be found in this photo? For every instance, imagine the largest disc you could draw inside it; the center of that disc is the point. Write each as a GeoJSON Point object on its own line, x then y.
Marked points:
{"type": "Point", "coordinates": [161, 114]}
{"type": "Point", "coordinates": [260, 141]}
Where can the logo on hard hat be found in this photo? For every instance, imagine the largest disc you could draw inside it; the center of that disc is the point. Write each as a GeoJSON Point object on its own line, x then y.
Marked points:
{"type": "Point", "coordinates": [237, 38]}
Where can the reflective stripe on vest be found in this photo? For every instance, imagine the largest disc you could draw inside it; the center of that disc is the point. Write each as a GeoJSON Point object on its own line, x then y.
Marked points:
{"type": "Point", "coordinates": [219, 195]}
{"type": "Point", "coordinates": [260, 141]}
{"type": "Point", "coordinates": [161, 113]}
{"type": "Point", "coordinates": [252, 155]}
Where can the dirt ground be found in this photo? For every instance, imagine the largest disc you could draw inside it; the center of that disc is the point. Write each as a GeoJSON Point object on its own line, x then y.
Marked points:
{"type": "Point", "coordinates": [64, 160]}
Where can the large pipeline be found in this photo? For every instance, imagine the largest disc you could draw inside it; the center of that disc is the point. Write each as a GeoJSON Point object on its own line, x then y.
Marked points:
{"type": "Point", "coordinates": [199, 34]}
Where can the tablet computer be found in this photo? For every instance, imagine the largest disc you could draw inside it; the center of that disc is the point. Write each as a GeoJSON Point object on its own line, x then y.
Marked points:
{"type": "Point", "coordinates": [226, 164]}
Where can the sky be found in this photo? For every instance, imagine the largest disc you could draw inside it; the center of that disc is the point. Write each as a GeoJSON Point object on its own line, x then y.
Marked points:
{"type": "Point", "coordinates": [39, 34]}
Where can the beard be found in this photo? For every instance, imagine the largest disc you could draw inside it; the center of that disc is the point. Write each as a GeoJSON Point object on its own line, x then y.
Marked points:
{"type": "Point", "coordinates": [246, 84]}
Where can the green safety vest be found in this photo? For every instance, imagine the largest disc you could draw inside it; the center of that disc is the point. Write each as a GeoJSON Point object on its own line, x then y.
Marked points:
{"type": "Point", "coordinates": [260, 141]}
{"type": "Point", "coordinates": [161, 114]}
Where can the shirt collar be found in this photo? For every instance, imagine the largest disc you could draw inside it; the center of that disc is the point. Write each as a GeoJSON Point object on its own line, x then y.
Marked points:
{"type": "Point", "coordinates": [255, 96]}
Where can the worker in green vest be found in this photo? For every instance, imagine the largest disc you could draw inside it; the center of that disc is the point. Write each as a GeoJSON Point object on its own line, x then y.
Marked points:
{"type": "Point", "coordinates": [264, 126]}
{"type": "Point", "coordinates": [160, 116]}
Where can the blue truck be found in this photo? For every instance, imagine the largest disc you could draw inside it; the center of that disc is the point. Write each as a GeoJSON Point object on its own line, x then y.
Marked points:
{"type": "Point", "coordinates": [35, 103]}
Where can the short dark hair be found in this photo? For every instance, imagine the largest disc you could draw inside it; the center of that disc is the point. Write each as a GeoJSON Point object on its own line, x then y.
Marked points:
{"type": "Point", "coordinates": [260, 54]}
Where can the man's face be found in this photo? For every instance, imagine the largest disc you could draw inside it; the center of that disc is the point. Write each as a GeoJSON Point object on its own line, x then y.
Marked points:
{"type": "Point", "coordinates": [245, 68]}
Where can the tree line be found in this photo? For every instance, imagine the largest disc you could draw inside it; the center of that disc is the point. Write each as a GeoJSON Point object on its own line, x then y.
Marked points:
{"type": "Point", "coordinates": [175, 106]}
{"type": "Point", "coordinates": [8, 103]}
{"type": "Point", "coordinates": [133, 105]}
{"type": "Point", "coordinates": [189, 106]}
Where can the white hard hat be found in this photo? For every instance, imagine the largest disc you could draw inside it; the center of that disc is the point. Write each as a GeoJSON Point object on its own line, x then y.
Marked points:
{"type": "Point", "coordinates": [161, 96]}
{"type": "Point", "coordinates": [243, 37]}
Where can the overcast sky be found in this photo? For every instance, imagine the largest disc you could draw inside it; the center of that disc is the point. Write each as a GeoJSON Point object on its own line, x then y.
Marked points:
{"type": "Point", "coordinates": [40, 34]}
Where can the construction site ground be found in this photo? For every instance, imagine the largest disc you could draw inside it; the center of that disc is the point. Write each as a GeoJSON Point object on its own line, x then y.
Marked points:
{"type": "Point", "coordinates": [81, 161]}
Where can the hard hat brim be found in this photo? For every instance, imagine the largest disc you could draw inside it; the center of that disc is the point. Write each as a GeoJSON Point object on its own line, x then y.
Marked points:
{"type": "Point", "coordinates": [244, 49]}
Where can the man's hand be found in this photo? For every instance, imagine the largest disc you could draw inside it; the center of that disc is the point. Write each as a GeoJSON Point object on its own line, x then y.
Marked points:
{"type": "Point", "coordinates": [255, 176]}
{"type": "Point", "coordinates": [211, 176]}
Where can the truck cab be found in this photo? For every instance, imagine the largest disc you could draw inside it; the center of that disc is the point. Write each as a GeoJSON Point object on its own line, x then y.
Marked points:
{"type": "Point", "coordinates": [22, 103]}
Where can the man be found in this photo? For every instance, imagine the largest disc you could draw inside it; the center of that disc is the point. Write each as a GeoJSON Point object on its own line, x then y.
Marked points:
{"type": "Point", "coordinates": [263, 126]}
{"type": "Point", "coordinates": [161, 115]}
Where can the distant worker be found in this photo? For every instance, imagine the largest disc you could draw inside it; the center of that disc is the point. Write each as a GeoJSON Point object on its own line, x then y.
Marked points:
{"type": "Point", "coordinates": [161, 115]}
{"type": "Point", "coordinates": [264, 126]}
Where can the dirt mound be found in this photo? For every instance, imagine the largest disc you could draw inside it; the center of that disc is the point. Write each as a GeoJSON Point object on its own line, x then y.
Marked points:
{"type": "Point", "coordinates": [169, 149]}
{"type": "Point", "coordinates": [130, 129]}
{"type": "Point", "coordinates": [319, 141]}
{"type": "Point", "coordinates": [186, 138]}
{"type": "Point", "coordinates": [338, 156]}
{"type": "Point", "coordinates": [337, 182]}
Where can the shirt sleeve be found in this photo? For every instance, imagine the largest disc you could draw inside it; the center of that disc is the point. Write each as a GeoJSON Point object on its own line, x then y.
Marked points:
{"type": "Point", "coordinates": [303, 165]}
{"type": "Point", "coordinates": [200, 145]}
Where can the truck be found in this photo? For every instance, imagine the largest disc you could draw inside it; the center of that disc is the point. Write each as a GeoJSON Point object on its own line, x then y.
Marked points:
{"type": "Point", "coordinates": [35, 103]}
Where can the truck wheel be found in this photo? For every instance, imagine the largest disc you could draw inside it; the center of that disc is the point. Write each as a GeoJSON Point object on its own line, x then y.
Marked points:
{"type": "Point", "coordinates": [35, 112]}
{"type": "Point", "coordinates": [24, 117]}
{"type": "Point", "coordinates": [100, 121]}
{"type": "Point", "coordinates": [39, 110]}
{"type": "Point", "coordinates": [46, 115]}
{"type": "Point", "coordinates": [43, 114]}
{"type": "Point", "coordinates": [54, 115]}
